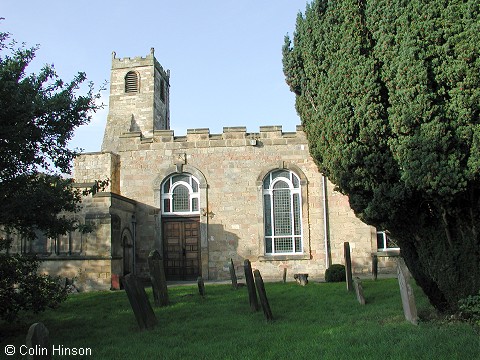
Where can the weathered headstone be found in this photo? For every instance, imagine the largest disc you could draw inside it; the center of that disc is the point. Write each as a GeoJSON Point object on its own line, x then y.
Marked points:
{"type": "Point", "coordinates": [301, 279]}
{"type": "Point", "coordinates": [262, 295]}
{"type": "Point", "coordinates": [406, 291]}
{"type": "Point", "coordinates": [138, 299]}
{"type": "Point", "coordinates": [157, 277]}
{"type": "Point", "coordinates": [38, 339]}
{"type": "Point", "coordinates": [359, 290]}
{"type": "Point", "coordinates": [374, 267]}
{"type": "Point", "coordinates": [252, 293]}
{"type": "Point", "coordinates": [284, 275]}
{"type": "Point", "coordinates": [233, 276]}
{"type": "Point", "coordinates": [201, 286]}
{"type": "Point", "coordinates": [348, 266]}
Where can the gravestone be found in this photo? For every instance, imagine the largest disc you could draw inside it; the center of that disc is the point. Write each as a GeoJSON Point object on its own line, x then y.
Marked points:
{"type": "Point", "coordinates": [374, 267]}
{"type": "Point", "coordinates": [348, 266]}
{"type": "Point", "coordinates": [284, 275]}
{"type": "Point", "coordinates": [252, 293]}
{"type": "Point", "coordinates": [357, 283]}
{"type": "Point", "coordinates": [201, 286]}
{"type": "Point", "coordinates": [233, 276]}
{"type": "Point", "coordinates": [262, 295]}
{"type": "Point", "coordinates": [157, 277]}
{"type": "Point", "coordinates": [138, 299]}
{"type": "Point", "coordinates": [38, 339]}
{"type": "Point", "coordinates": [301, 279]}
{"type": "Point", "coordinates": [406, 292]}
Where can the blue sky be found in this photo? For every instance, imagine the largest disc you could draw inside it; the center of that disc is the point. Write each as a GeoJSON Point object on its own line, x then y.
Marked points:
{"type": "Point", "coordinates": [224, 56]}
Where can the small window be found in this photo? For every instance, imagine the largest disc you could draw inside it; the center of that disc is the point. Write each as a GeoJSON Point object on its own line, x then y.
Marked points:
{"type": "Point", "coordinates": [131, 82]}
{"type": "Point", "coordinates": [385, 242]}
{"type": "Point", "coordinates": [180, 195]}
{"type": "Point", "coordinates": [41, 245]}
{"type": "Point", "coordinates": [162, 90]}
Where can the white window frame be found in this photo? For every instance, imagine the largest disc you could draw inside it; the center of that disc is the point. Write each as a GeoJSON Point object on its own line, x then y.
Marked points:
{"type": "Point", "coordinates": [293, 191]}
{"type": "Point", "coordinates": [168, 196]}
{"type": "Point", "coordinates": [384, 241]}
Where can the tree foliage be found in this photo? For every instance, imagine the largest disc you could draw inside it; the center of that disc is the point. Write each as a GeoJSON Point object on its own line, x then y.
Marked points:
{"type": "Point", "coordinates": [389, 97]}
{"type": "Point", "coordinates": [22, 288]}
{"type": "Point", "coordinates": [38, 116]}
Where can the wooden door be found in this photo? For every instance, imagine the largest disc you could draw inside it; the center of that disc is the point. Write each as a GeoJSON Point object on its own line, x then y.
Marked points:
{"type": "Point", "coordinates": [181, 239]}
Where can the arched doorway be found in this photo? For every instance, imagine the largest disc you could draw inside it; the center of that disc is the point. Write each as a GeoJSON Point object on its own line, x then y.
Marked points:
{"type": "Point", "coordinates": [180, 208]}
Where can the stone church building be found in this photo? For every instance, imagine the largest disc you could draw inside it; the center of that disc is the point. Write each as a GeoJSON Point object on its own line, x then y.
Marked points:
{"type": "Point", "coordinates": [201, 199]}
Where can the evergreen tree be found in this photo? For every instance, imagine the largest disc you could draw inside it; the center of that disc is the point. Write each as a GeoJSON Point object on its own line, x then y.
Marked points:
{"type": "Point", "coordinates": [389, 97]}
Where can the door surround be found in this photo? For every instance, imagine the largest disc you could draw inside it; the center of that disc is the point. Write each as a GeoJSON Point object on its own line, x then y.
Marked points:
{"type": "Point", "coordinates": [164, 173]}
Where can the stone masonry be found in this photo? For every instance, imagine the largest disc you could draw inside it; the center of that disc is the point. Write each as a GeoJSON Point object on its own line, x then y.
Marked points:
{"type": "Point", "coordinates": [139, 154]}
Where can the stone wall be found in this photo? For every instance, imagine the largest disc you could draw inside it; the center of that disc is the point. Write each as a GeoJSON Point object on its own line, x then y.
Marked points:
{"type": "Point", "coordinates": [233, 165]}
{"type": "Point", "coordinates": [88, 273]}
{"type": "Point", "coordinates": [93, 259]}
{"type": "Point", "coordinates": [98, 166]}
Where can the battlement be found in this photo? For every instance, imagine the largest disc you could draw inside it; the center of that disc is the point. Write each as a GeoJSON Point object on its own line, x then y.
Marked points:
{"type": "Point", "coordinates": [138, 61]}
{"type": "Point", "coordinates": [230, 137]}
{"type": "Point", "coordinates": [229, 133]}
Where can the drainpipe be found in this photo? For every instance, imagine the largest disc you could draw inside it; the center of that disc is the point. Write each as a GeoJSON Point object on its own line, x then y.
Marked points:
{"type": "Point", "coordinates": [134, 235]}
{"type": "Point", "coordinates": [325, 222]}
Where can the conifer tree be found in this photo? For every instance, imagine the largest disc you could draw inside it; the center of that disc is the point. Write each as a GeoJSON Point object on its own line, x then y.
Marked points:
{"type": "Point", "coordinates": [389, 96]}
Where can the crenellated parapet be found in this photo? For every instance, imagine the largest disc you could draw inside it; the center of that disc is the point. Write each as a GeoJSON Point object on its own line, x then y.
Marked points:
{"type": "Point", "coordinates": [202, 138]}
{"type": "Point", "coordinates": [139, 61]}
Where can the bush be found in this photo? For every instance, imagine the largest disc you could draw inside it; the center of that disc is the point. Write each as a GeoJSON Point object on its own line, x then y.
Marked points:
{"type": "Point", "coordinates": [22, 288]}
{"type": "Point", "coordinates": [335, 273]}
{"type": "Point", "coordinates": [470, 308]}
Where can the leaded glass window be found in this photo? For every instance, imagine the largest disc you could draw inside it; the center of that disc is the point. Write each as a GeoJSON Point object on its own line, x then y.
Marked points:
{"type": "Point", "coordinates": [181, 199]}
{"type": "Point", "coordinates": [180, 195]}
{"type": "Point", "coordinates": [282, 213]}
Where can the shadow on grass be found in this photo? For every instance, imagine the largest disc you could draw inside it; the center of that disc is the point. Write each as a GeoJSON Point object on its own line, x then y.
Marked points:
{"type": "Point", "coordinates": [318, 320]}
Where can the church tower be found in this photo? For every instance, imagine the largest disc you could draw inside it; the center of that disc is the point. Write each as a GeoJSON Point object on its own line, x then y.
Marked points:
{"type": "Point", "coordinates": [139, 99]}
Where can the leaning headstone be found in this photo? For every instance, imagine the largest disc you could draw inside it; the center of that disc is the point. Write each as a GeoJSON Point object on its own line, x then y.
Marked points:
{"type": "Point", "coordinates": [233, 276]}
{"type": "Point", "coordinates": [157, 277]}
{"type": "Point", "coordinates": [262, 295]}
{"type": "Point", "coordinates": [374, 267]}
{"type": "Point", "coordinates": [348, 266]}
{"type": "Point", "coordinates": [138, 299]}
{"type": "Point", "coordinates": [201, 286]}
{"type": "Point", "coordinates": [301, 279]}
{"type": "Point", "coordinates": [357, 283]}
{"type": "Point", "coordinates": [37, 338]}
{"type": "Point", "coordinates": [252, 294]}
{"type": "Point", "coordinates": [284, 275]}
{"type": "Point", "coordinates": [406, 291]}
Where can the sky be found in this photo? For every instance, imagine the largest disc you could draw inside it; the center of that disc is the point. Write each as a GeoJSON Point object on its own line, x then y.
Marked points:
{"type": "Point", "coordinates": [224, 56]}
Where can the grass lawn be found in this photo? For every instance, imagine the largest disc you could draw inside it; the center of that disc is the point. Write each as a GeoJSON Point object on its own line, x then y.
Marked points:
{"type": "Point", "coordinates": [318, 321]}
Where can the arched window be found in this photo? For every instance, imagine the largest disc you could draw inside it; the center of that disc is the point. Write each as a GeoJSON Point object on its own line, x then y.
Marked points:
{"type": "Point", "coordinates": [282, 209]}
{"type": "Point", "coordinates": [180, 195]}
{"type": "Point", "coordinates": [131, 82]}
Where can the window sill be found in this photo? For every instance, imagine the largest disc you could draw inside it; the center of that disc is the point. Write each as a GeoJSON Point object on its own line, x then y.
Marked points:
{"type": "Point", "coordinates": [387, 253]}
{"type": "Point", "coordinates": [63, 256]}
{"type": "Point", "coordinates": [284, 257]}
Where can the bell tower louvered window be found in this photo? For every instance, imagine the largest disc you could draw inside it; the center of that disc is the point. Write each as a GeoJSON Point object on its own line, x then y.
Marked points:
{"type": "Point", "coordinates": [131, 82]}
